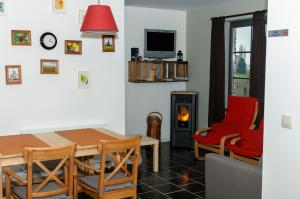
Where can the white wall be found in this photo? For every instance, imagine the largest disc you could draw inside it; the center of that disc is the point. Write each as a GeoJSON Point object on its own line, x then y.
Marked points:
{"type": "Point", "coordinates": [143, 98]}
{"type": "Point", "coordinates": [281, 164]}
{"type": "Point", "coordinates": [53, 101]}
{"type": "Point", "coordinates": [198, 45]}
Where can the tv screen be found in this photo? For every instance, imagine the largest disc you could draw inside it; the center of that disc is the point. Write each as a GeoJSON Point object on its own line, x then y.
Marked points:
{"type": "Point", "coordinates": [160, 43]}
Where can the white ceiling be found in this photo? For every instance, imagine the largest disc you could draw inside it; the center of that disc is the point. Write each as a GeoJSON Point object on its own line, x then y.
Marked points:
{"type": "Point", "coordinates": [174, 4]}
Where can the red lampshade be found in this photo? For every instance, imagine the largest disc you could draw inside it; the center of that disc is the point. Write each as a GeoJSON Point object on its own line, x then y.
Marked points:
{"type": "Point", "coordinates": [99, 18]}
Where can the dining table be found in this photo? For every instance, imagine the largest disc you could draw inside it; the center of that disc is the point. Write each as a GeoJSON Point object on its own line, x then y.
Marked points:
{"type": "Point", "coordinates": [86, 144]}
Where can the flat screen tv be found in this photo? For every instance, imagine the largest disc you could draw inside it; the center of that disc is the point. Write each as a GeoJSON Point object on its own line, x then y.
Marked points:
{"type": "Point", "coordinates": [159, 44]}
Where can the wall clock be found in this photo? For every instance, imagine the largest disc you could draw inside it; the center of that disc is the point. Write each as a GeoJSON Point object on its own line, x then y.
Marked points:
{"type": "Point", "coordinates": [48, 40]}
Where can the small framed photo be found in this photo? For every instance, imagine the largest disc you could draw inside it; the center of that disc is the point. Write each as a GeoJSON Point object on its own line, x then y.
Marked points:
{"type": "Point", "coordinates": [13, 74]}
{"type": "Point", "coordinates": [21, 37]}
{"type": "Point", "coordinates": [3, 7]}
{"type": "Point", "coordinates": [59, 6]}
{"type": "Point", "coordinates": [108, 43]}
{"type": "Point", "coordinates": [84, 80]}
{"type": "Point", "coordinates": [49, 66]}
{"type": "Point", "coordinates": [73, 47]}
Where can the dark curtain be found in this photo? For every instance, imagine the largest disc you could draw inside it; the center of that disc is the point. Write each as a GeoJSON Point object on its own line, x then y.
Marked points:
{"type": "Point", "coordinates": [217, 71]}
{"type": "Point", "coordinates": [258, 61]}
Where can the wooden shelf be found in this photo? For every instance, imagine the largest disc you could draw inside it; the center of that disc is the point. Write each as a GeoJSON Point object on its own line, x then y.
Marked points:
{"type": "Point", "coordinates": [157, 71]}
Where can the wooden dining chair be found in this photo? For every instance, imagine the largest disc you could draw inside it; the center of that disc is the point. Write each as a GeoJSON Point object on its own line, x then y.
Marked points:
{"type": "Point", "coordinates": [118, 182]}
{"type": "Point", "coordinates": [51, 186]}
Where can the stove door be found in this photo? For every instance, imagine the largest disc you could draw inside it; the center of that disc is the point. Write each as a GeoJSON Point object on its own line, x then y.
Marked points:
{"type": "Point", "coordinates": [183, 117]}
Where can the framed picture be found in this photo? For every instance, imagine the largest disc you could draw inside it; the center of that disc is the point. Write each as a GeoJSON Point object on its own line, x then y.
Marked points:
{"type": "Point", "coordinates": [49, 66]}
{"type": "Point", "coordinates": [73, 47]}
{"type": "Point", "coordinates": [21, 37]}
{"type": "Point", "coordinates": [84, 80]}
{"type": "Point", "coordinates": [13, 74]}
{"type": "Point", "coordinates": [3, 7]}
{"type": "Point", "coordinates": [59, 6]}
{"type": "Point", "coordinates": [108, 43]}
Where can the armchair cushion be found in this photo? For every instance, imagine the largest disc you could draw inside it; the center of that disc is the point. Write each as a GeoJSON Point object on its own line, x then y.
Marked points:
{"type": "Point", "coordinates": [251, 144]}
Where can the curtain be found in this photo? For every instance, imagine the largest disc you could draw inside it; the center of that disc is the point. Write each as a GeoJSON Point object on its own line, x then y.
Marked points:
{"type": "Point", "coordinates": [217, 71]}
{"type": "Point", "coordinates": [258, 61]}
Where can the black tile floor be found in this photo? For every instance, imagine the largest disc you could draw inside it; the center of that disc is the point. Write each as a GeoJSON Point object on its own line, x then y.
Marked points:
{"type": "Point", "coordinates": [180, 176]}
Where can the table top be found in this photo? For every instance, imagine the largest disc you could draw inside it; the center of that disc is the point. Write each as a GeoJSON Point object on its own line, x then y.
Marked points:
{"type": "Point", "coordinates": [12, 145]}
{"type": "Point", "coordinates": [85, 137]}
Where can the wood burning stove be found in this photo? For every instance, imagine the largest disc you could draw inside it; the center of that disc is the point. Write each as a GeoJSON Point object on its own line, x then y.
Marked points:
{"type": "Point", "coordinates": [184, 117]}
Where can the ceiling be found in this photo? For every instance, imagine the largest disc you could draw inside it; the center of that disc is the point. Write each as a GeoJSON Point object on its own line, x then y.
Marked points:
{"type": "Point", "coordinates": [174, 4]}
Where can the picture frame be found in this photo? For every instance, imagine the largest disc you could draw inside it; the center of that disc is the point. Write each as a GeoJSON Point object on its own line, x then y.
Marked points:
{"type": "Point", "coordinates": [59, 6]}
{"type": "Point", "coordinates": [13, 74]}
{"type": "Point", "coordinates": [108, 43]}
{"type": "Point", "coordinates": [21, 37]}
{"type": "Point", "coordinates": [49, 66]}
{"type": "Point", "coordinates": [3, 8]}
{"type": "Point", "coordinates": [84, 80]}
{"type": "Point", "coordinates": [73, 47]}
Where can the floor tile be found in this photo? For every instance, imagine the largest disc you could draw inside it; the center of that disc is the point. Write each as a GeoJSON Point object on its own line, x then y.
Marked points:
{"type": "Point", "coordinates": [182, 195]}
{"type": "Point", "coordinates": [167, 174]}
{"type": "Point", "coordinates": [154, 181]}
{"type": "Point", "coordinates": [200, 180]}
{"type": "Point", "coordinates": [152, 195]}
{"type": "Point", "coordinates": [195, 187]}
{"type": "Point", "coordinates": [182, 180]}
{"type": "Point", "coordinates": [191, 174]}
{"type": "Point", "coordinates": [201, 194]}
{"type": "Point", "coordinates": [167, 188]}
{"type": "Point", "coordinates": [142, 188]}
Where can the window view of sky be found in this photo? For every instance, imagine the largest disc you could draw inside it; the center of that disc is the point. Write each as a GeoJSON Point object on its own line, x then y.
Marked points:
{"type": "Point", "coordinates": [243, 42]}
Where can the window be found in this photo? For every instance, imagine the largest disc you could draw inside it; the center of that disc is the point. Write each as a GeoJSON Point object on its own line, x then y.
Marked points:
{"type": "Point", "coordinates": [240, 56]}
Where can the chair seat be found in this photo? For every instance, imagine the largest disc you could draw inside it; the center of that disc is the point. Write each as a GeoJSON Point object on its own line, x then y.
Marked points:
{"type": "Point", "coordinates": [251, 144]}
{"type": "Point", "coordinates": [21, 170]}
{"type": "Point", "coordinates": [245, 149]}
{"type": "Point", "coordinates": [210, 138]}
{"type": "Point", "coordinates": [218, 130]}
{"type": "Point", "coordinates": [213, 137]}
{"type": "Point", "coordinates": [21, 191]}
{"type": "Point", "coordinates": [93, 181]}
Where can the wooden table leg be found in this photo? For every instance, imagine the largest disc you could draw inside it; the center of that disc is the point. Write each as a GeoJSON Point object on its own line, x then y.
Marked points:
{"type": "Point", "coordinates": [1, 177]}
{"type": "Point", "coordinates": [155, 156]}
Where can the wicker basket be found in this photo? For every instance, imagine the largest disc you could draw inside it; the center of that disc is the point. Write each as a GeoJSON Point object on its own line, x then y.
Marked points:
{"type": "Point", "coordinates": [154, 120]}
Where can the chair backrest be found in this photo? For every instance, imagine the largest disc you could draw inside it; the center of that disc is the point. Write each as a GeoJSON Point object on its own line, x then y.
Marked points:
{"type": "Point", "coordinates": [37, 157]}
{"type": "Point", "coordinates": [121, 152]}
{"type": "Point", "coordinates": [241, 111]}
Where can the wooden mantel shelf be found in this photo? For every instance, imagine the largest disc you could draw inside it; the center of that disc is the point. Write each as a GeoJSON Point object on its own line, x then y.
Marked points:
{"type": "Point", "coordinates": [157, 72]}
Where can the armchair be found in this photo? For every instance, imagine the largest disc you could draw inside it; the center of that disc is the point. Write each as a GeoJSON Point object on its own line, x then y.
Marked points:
{"type": "Point", "coordinates": [241, 114]}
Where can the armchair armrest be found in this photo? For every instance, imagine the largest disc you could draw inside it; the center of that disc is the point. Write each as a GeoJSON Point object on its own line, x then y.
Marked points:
{"type": "Point", "coordinates": [223, 140]}
{"type": "Point", "coordinates": [202, 130]}
{"type": "Point", "coordinates": [84, 165]}
{"type": "Point", "coordinates": [13, 174]}
{"type": "Point", "coordinates": [235, 140]}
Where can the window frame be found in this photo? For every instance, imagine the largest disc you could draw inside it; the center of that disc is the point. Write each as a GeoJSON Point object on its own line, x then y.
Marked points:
{"type": "Point", "coordinates": [237, 24]}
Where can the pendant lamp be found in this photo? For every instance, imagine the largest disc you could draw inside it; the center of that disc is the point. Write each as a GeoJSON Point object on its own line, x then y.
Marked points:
{"type": "Point", "coordinates": [99, 18]}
